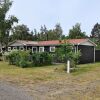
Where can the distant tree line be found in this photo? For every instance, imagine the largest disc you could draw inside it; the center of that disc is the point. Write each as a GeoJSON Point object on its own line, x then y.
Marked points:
{"type": "Point", "coordinates": [22, 32]}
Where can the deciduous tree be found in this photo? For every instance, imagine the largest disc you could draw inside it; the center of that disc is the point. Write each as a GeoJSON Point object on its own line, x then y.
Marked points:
{"type": "Point", "coordinates": [22, 32]}
{"type": "Point", "coordinates": [76, 33]}
{"type": "Point", "coordinates": [6, 23]}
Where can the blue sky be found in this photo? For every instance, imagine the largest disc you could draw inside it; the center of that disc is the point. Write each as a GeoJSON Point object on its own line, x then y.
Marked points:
{"type": "Point", "coordinates": [35, 13]}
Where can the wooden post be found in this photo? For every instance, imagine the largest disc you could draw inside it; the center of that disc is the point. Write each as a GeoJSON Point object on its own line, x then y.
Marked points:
{"type": "Point", "coordinates": [68, 66]}
{"type": "Point", "coordinates": [94, 54]}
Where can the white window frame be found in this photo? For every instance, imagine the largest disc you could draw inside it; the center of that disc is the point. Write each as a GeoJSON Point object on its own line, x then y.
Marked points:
{"type": "Point", "coordinates": [42, 49]}
{"type": "Point", "coordinates": [53, 48]}
{"type": "Point", "coordinates": [14, 48]}
{"type": "Point", "coordinates": [9, 48]}
{"type": "Point", "coordinates": [22, 48]}
{"type": "Point", "coordinates": [35, 48]}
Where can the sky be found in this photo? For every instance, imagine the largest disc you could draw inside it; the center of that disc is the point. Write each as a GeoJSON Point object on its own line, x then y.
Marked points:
{"type": "Point", "coordinates": [35, 13]}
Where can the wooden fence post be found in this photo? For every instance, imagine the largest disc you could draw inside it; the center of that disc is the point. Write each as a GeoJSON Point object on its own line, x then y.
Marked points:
{"type": "Point", "coordinates": [68, 66]}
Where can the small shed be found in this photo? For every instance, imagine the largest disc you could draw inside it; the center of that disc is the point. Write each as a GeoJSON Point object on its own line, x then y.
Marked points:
{"type": "Point", "coordinates": [87, 49]}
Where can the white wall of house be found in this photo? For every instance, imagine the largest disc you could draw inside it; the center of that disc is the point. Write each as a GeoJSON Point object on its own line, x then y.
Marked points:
{"type": "Point", "coordinates": [87, 43]}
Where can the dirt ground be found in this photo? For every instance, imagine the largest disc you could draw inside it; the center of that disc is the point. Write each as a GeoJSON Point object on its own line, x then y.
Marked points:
{"type": "Point", "coordinates": [9, 92]}
{"type": "Point", "coordinates": [68, 89]}
{"type": "Point", "coordinates": [82, 87]}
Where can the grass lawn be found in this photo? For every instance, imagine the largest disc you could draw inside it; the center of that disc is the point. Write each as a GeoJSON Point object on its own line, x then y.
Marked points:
{"type": "Point", "coordinates": [41, 74]}
{"type": "Point", "coordinates": [54, 82]}
{"type": "Point", "coordinates": [30, 75]}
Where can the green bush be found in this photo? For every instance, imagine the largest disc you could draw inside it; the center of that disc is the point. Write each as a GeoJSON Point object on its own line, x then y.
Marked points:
{"type": "Point", "coordinates": [19, 58]}
{"type": "Point", "coordinates": [65, 52]}
{"type": "Point", "coordinates": [5, 56]}
{"type": "Point", "coordinates": [41, 59]}
{"type": "Point", "coordinates": [25, 59]}
{"type": "Point", "coordinates": [12, 57]}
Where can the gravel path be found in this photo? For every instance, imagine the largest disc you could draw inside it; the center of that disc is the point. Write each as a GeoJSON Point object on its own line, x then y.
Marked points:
{"type": "Point", "coordinates": [8, 92]}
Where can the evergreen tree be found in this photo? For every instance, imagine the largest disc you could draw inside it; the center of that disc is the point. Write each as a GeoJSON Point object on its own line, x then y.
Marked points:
{"type": "Point", "coordinates": [95, 33]}
{"type": "Point", "coordinates": [35, 38]}
{"type": "Point", "coordinates": [58, 31]}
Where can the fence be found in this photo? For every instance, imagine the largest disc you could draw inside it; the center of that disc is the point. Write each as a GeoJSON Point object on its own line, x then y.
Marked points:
{"type": "Point", "coordinates": [97, 55]}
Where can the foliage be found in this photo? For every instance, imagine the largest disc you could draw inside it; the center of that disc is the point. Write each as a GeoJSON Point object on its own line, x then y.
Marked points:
{"type": "Point", "coordinates": [75, 56]}
{"type": "Point", "coordinates": [95, 34]}
{"type": "Point", "coordinates": [65, 52]}
{"type": "Point", "coordinates": [76, 33]}
{"type": "Point", "coordinates": [48, 34]}
{"type": "Point", "coordinates": [58, 31]}
{"type": "Point", "coordinates": [41, 59]}
{"type": "Point", "coordinates": [12, 57]}
{"type": "Point", "coordinates": [6, 23]}
{"type": "Point", "coordinates": [19, 58]}
{"type": "Point", "coordinates": [62, 53]}
{"type": "Point", "coordinates": [21, 32]}
{"type": "Point", "coordinates": [24, 59]}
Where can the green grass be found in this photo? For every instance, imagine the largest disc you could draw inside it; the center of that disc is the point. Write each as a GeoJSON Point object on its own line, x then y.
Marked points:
{"type": "Point", "coordinates": [41, 74]}
{"type": "Point", "coordinates": [36, 74]}
{"type": "Point", "coordinates": [86, 68]}
{"type": "Point", "coordinates": [54, 77]}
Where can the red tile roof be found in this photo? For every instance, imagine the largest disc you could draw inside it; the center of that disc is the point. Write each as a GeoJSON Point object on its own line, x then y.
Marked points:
{"type": "Point", "coordinates": [77, 41]}
{"type": "Point", "coordinates": [54, 42]}
{"type": "Point", "coordinates": [57, 42]}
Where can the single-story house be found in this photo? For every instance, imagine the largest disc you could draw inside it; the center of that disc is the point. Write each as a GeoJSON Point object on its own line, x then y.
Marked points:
{"type": "Point", "coordinates": [86, 46]}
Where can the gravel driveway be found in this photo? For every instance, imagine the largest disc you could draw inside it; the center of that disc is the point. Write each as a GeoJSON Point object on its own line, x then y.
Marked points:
{"type": "Point", "coordinates": [8, 92]}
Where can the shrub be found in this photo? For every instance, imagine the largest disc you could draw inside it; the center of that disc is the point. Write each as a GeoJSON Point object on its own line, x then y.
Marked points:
{"type": "Point", "coordinates": [5, 56]}
{"type": "Point", "coordinates": [25, 59]}
{"type": "Point", "coordinates": [65, 52]}
{"type": "Point", "coordinates": [19, 58]}
{"type": "Point", "coordinates": [12, 57]}
{"type": "Point", "coordinates": [23, 63]}
{"type": "Point", "coordinates": [41, 59]}
{"type": "Point", "coordinates": [76, 57]}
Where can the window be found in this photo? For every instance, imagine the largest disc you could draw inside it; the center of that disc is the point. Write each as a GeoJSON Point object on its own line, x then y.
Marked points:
{"type": "Point", "coordinates": [41, 49]}
{"type": "Point", "coordinates": [14, 48]}
{"type": "Point", "coordinates": [9, 48]}
{"type": "Point", "coordinates": [34, 49]}
{"type": "Point", "coordinates": [52, 49]}
{"type": "Point", "coordinates": [22, 48]}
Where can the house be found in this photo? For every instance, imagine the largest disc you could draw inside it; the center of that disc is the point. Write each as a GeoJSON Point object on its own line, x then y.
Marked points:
{"type": "Point", "coordinates": [86, 47]}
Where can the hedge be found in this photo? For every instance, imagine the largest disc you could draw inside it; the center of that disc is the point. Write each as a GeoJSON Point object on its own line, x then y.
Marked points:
{"type": "Point", "coordinates": [26, 59]}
